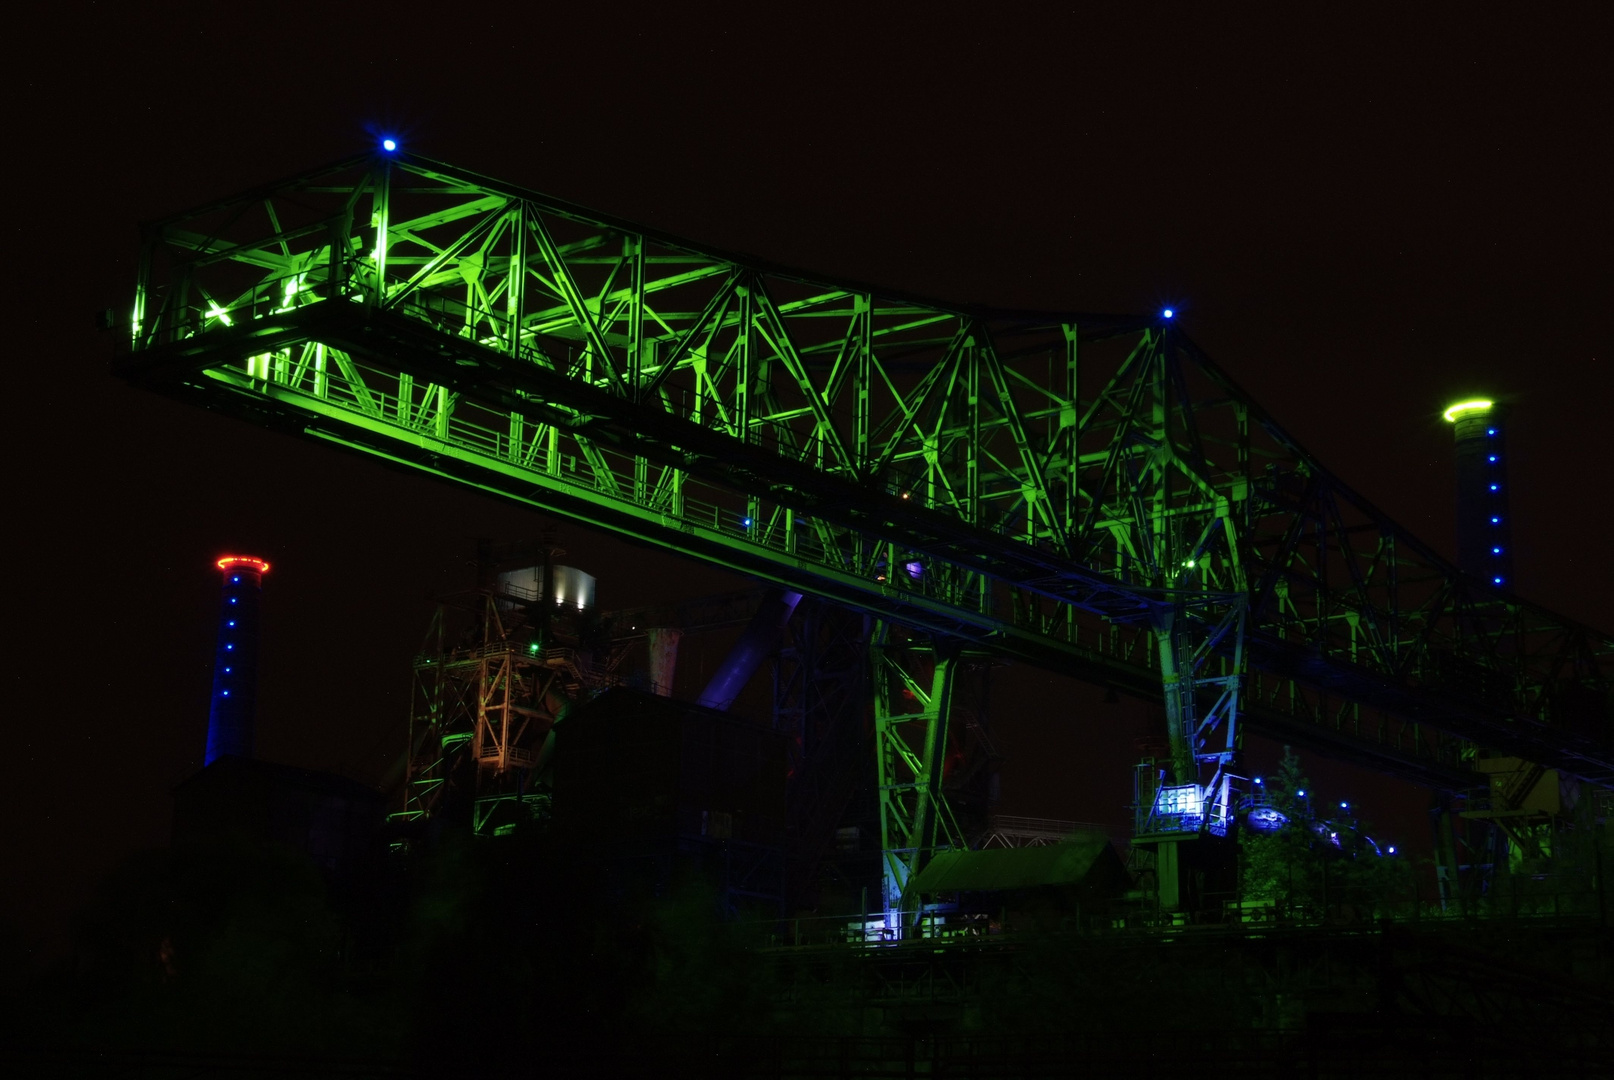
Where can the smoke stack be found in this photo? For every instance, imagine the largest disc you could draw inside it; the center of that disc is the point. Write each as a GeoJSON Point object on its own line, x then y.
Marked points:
{"type": "Point", "coordinates": [235, 659]}
{"type": "Point", "coordinates": [1484, 525]}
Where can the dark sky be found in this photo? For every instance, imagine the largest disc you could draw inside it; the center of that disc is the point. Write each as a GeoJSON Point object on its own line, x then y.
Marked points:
{"type": "Point", "coordinates": [1361, 217]}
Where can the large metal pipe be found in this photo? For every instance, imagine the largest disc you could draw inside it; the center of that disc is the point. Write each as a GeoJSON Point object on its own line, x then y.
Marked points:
{"type": "Point", "coordinates": [233, 707]}
{"type": "Point", "coordinates": [760, 639]}
{"type": "Point", "coordinates": [662, 643]}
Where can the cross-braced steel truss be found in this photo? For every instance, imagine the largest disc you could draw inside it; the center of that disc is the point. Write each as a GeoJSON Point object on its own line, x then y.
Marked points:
{"type": "Point", "coordinates": [1089, 493]}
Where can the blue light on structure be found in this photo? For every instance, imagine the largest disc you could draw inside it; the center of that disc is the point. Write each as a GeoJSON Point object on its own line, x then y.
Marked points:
{"type": "Point", "coordinates": [1258, 781]}
{"type": "Point", "coordinates": [1266, 819]}
{"type": "Point", "coordinates": [232, 622]}
{"type": "Point", "coordinates": [1496, 521]}
{"type": "Point", "coordinates": [1166, 314]}
{"type": "Point", "coordinates": [1497, 581]}
{"type": "Point", "coordinates": [389, 145]}
{"type": "Point", "coordinates": [1493, 487]}
{"type": "Point", "coordinates": [229, 646]}
{"type": "Point", "coordinates": [226, 693]}
{"type": "Point", "coordinates": [746, 523]}
{"type": "Point", "coordinates": [1344, 806]}
{"type": "Point", "coordinates": [916, 569]}
{"type": "Point", "coordinates": [232, 599]}
{"type": "Point", "coordinates": [235, 581]}
{"type": "Point", "coordinates": [1392, 849]}
{"type": "Point", "coordinates": [1490, 431]}
{"type": "Point", "coordinates": [1493, 457]}
{"type": "Point", "coordinates": [1301, 793]}
{"type": "Point", "coordinates": [1496, 551]}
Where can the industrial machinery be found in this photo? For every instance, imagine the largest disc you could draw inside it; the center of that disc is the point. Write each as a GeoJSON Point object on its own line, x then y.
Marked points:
{"type": "Point", "coordinates": [501, 663]}
{"type": "Point", "coordinates": [1089, 493]}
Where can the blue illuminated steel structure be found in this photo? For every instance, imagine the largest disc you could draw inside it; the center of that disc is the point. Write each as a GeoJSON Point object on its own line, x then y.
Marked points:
{"type": "Point", "coordinates": [1088, 493]}
{"type": "Point", "coordinates": [234, 702]}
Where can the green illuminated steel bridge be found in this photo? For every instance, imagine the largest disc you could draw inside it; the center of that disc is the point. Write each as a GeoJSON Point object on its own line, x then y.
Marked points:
{"type": "Point", "coordinates": [1086, 493]}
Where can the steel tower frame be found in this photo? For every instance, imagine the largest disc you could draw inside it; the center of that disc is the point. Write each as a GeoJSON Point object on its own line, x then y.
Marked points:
{"type": "Point", "coordinates": [1087, 493]}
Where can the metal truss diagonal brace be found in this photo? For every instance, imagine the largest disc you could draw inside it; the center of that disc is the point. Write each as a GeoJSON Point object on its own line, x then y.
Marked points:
{"type": "Point", "coordinates": [1203, 665]}
{"type": "Point", "coordinates": [910, 747]}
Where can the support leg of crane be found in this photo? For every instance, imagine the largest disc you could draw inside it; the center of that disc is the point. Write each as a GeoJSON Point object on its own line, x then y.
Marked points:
{"type": "Point", "coordinates": [910, 745]}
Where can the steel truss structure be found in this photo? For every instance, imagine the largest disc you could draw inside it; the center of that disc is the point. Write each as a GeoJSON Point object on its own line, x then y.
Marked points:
{"type": "Point", "coordinates": [1087, 493]}
{"type": "Point", "coordinates": [489, 684]}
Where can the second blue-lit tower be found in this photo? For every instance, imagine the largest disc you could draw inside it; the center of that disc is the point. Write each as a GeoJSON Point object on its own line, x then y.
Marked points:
{"type": "Point", "coordinates": [1484, 524]}
{"type": "Point", "coordinates": [233, 706]}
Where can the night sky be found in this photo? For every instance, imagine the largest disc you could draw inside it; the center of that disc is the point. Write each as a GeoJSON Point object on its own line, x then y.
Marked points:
{"type": "Point", "coordinates": [1361, 218]}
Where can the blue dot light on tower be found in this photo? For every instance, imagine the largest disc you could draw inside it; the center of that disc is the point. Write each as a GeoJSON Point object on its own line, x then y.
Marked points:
{"type": "Point", "coordinates": [1484, 524]}
{"type": "Point", "coordinates": [233, 705]}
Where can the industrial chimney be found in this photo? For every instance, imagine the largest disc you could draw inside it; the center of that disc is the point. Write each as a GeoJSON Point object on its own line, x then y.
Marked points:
{"type": "Point", "coordinates": [235, 659]}
{"type": "Point", "coordinates": [1484, 526]}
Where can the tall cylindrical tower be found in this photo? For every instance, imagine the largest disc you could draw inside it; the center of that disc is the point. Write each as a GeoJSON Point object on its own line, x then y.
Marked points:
{"type": "Point", "coordinates": [235, 659]}
{"type": "Point", "coordinates": [1484, 526]}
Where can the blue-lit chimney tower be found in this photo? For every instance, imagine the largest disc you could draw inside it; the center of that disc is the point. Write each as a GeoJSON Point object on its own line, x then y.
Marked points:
{"type": "Point", "coordinates": [235, 659]}
{"type": "Point", "coordinates": [1484, 525]}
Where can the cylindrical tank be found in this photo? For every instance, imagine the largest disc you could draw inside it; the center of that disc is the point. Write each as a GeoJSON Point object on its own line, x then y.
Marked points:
{"type": "Point", "coordinates": [233, 706]}
{"type": "Point", "coordinates": [572, 590]}
{"type": "Point", "coordinates": [1484, 524]}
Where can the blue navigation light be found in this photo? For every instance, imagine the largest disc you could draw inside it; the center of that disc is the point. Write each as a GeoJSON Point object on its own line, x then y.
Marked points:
{"type": "Point", "coordinates": [229, 646]}
{"type": "Point", "coordinates": [1344, 806]}
{"type": "Point", "coordinates": [1496, 551]}
{"type": "Point", "coordinates": [1490, 431]}
{"type": "Point", "coordinates": [1493, 457]}
{"type": "Point", "coordinates": [746, 523]}
{"type": "Point", "coordinates": [226, 693]}
{"type": "Point", "coordinates": [236, 580]}
{"type": "Point", "coordinates": [1496, 581]}
{"type": "Point", "coordinates": [1493, 487]}
{"type": "Point", "coordinates": [1166, 314]}
{"type": "Point", "coordinates": [1258, 780]}
{"type": "Point", "coordinates": [1496, 521]}
{"type": "Point", "coordinates": [1301, 793]}
{"type": "Point", "coordinates": [232, 599]}
{"type": "Point", "coordinates": [226, 671]}
{"type": "Point", "coordinates": [232, 622]}
{"type": "Point", "coordinates": [1392, 849]}
{"type": "Point", "coordinates": [389, 145]}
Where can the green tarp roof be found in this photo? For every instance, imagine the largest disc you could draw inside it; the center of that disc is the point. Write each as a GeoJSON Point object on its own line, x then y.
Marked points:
{"type": "Point", "coordinates": [1069, 862]}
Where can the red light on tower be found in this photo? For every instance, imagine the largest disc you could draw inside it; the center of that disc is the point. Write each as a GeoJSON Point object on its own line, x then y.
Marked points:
{"type": "Point", "coordinates": [235, 661]}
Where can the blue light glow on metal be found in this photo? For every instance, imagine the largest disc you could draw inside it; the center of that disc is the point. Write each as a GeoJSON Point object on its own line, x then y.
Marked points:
{"type": "Point", "coordinates": [916, 569]}
{"type": "Point", "coordinates": [746, 523]}
{"type": "Point", "coordinates": [1166, 314]}
{"type": "Point", "coordinates": [1266, 819]}
{"type": "Point", "coordinates": [389, 145]}
{"type": "Point", "coordinates": [1258, 781]}
{"type": "Point", "coordinates": [1301, 793]}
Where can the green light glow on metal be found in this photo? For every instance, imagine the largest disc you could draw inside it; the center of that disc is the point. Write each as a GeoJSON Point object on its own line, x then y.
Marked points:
{"type": "Point", "coordinates": [503, 341]}
{"type": "Point", "coordinates": [1477, 405]}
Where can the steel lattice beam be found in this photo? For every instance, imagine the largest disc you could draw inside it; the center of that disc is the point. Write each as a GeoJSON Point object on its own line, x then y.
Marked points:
{"type": "Point", "coordinates": [1061, 488]}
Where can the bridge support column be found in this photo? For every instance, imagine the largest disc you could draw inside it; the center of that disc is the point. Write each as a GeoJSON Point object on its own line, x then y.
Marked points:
{"type": "Point", "coordinates": [910, 748]}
